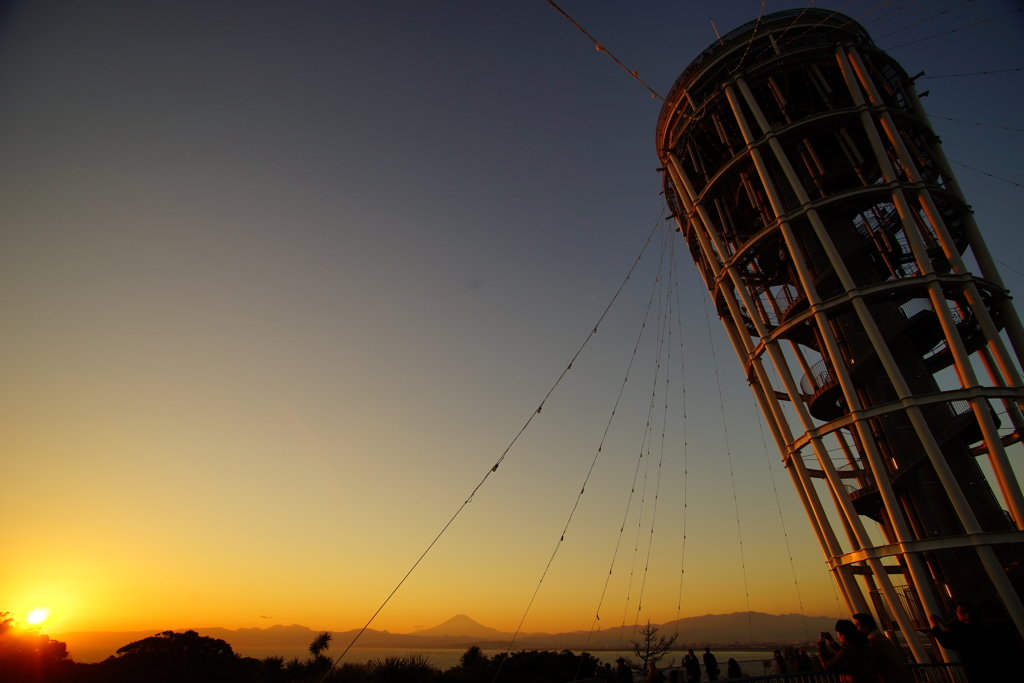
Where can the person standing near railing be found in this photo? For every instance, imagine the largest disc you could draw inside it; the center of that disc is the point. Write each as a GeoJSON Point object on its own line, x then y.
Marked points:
{"type": "Point", "coordinates": [885, 656]}
{"type": "Point", "coordinates": [692, 666]}
{"type": "Point", "coordinates": [983, 651]}
{"type": "Point", "coordinates": [848, 658]}
{"type": "Point", "coordinates": [780, 663]}
{"type": "Point", "coordinates": [623, 674]}
{"type": "Point", "coordinates": [711, 665]}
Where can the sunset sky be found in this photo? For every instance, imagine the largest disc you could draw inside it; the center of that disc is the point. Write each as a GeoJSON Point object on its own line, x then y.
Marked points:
{"type": "Point", "coordinates": [280, 282]}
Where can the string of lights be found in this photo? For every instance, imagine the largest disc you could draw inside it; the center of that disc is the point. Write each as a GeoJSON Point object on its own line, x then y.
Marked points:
{"type": "Point", "coordinates": [840, 605]}
{"type": "Point", "coordinates": [1014, 270]}
{"type": "Point", "coordinates": [975, 123]}
{"type": "Point", "coordinates": [796, 19]}
{"type": "Point", "coordinates": [565, 529]}
{"type": "Point", "coordinates": [858, 18]}
{"type": "Point", "coordinates": [602, 48]}
{"type": "Point", "coordinates": [811, 28]}
{"type": "Point", "coordinates": [757, 25]}
{"type": "Point", "coordinates": [990, 175]}
{"type": "Point", "coordinates": [917, 23]}
{"type": "Point", "coordinates": [494, 468]}
{"type": "Point", "coordinates": [782, 519]}
{"type": "Point", "coordinates": [596, 622]}
{"type": "Point", "coordinates": [594, 330]}
{"type": "Point", "coordinates": [894, 11]}
{"type": "Point", "coordinates": [959, 28]}
{"type": "Point", "coordinates": [875, 9]}
{"type": "Point", "coordinates": [728, 453]}
{"type": "Point", "coordinates": [645, 447]}
{"type": "Point", "coordinates": [674, 269]}
{"type": "Point", "coordinates": [973, 73]}
{"type": "Point", "coordinates": [662, 344]}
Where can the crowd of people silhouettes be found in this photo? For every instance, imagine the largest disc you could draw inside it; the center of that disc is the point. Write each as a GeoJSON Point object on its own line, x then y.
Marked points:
{"type": "Point", "coordinates": [859, 653]}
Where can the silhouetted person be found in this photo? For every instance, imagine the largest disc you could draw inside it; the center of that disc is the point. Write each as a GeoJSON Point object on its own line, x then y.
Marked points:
{"type": "Point", "coordinates": [711, 665]}
{"type": "Point", "coordinates": [692, 666]}
{"type": "Point", "coordinates": [885, 656]}
{"type": "Point", "coordinates": [780, 662]}
{"type": "Point", "coordinates": [654, 674]}
{"type": "Point", "coordinates": [804, 661]}
{"type": "Point", "coordinates": [850, 657]}
{"type": "Point", "coordinates": [607, 673]}
{"type": "Point", "coordinates": [982, 651]}
{"type": "Point", "coordinates": [623, 674]}
{"type": "Point", "coordinates": [673, 676]}
{"type": "Point", "coordinates": [732, 670]}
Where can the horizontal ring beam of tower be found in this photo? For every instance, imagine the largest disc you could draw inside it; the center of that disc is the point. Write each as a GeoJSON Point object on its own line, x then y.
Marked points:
{"type": "Point", "coordinates": [865, 308]}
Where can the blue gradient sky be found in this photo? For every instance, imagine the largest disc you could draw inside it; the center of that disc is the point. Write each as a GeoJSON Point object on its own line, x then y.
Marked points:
{"type": "Point", "coordinates": [280, 281]}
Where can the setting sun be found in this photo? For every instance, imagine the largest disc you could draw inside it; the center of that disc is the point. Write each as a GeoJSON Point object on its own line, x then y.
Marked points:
{"type": "Point", "coordinates": [38, 615]}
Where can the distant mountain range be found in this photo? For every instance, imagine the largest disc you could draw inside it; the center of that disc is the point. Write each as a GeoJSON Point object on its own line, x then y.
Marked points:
{"type": "Point", "coordinates": [738, 628]}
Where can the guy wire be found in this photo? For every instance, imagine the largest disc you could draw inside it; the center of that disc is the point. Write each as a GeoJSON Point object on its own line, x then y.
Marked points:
{"type": "Point", "coordinates": [728, 453]}
{"type": "Point", "coordinates": [494, 468]}
{"type": "Point", "coordinates": [595, 623]}
{"type": "Point", "coordinates": [558, 545]}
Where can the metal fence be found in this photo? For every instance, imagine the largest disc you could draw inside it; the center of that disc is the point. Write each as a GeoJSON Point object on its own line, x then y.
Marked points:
{"type": "Point", "coordinates": [923, 673]}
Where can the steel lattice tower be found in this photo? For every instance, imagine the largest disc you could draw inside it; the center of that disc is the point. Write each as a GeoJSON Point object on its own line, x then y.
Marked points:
{"type": "Point", "coordinates": [832, 235]}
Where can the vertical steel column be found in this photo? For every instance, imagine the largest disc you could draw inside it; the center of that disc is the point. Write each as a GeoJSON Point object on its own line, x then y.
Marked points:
{"type": "Point", "coordinates": [997, 454]}
{"type": "Point", "coordinates": [699, 220]}
{"type": "Point", "coordinates": [1014, 328]}
{"type": "Point", "coordinates": [860, 276]}
{"type": "Point", "coordinates": [839, 490]}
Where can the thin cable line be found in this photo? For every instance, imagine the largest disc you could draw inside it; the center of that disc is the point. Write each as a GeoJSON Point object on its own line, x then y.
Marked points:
{"type": "Point", "coordinates": [924, 20]}
{"type": "Point", "coordinates": [959, 28]}
{"type": "Point", "coordinates": [782, 519]}
{"type": "Point", "coordinates": [975, 123]}
{"type": "Point", "coordinates": [978, 170]}
{"type": "Point", "coordinates": [1005, 265]}
{"type": "Point", "coordinates": [834, 12]}
{"type": "Point", "coordinates": [728, 453]}
{"type": "Point", "coordinates": [643, 491]}
{"type": "Point", "coordinates": [873, 10]}
{"type": "Point", "coordinates": [494, 468]}
{"type": "Point", "coordinates": [757, 25]}
{"type": "Point", "coordinates": [878, 18]}
{"type": "Point", "coordinates": [602, 48]}
{"type": "Point", "coordinates": [807, 30]}
{"type": "Point", "coordinates": [625, 516]}
{"type": "Point", "coordinates": [796, 19]}
{"type": "Point", "coordinates": [682, 362]}
{"type": "Point", "coordinates": [840, 605]}
{"type": "Point", "coordinates": [558, 545]}
{"type": "Point", "coordinates": [600, 603]}
{"type": "Point", "coordinates": [649, 438]}
{"type": "Point", "coordinates": [664, 420]}
{"type": "Point", "coordinates": [973, 73]}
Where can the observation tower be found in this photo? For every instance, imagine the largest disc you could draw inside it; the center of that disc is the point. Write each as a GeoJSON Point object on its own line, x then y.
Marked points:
{"type": "Point", "coordinates": [865, 308]}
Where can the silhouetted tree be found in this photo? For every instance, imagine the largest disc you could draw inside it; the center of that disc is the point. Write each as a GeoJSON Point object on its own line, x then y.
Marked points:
{"type": "Point", "coordinates": [272, 670]}
{"type": "Point", "coordinates": [28, 657]}
{"type": "Point", "coordinates": [524, 667]}
{"type": "Point", "coordinates": [321, 643]}
{"type": "Point", "coordinates": [171, 657]}
{"type": "Point", "coordinates": [473, 658]}
{"type": "Point", "coordinates": [413, 668]}
{"type": "Point", "coordinates": [650, 648]}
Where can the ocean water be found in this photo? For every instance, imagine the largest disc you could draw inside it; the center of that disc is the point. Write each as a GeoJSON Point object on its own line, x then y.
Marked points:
{"type": "Point", "coordinates": [445, 658]}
